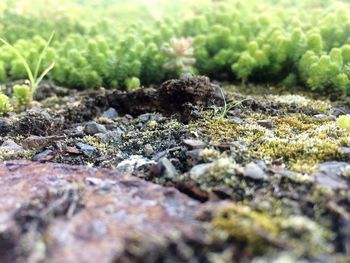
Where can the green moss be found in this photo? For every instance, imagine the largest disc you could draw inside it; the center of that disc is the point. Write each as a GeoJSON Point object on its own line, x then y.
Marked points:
{"type": "Point", "coordinates": [262, 232]}
{"type": "Point", "coordinates": [217, 129]}
{"type": "Point", "coordinates": [9, 154]}
{"type": "Point", "coordinates": [302, 102]}
{"type": "Point", "coordinates": [298, 140]}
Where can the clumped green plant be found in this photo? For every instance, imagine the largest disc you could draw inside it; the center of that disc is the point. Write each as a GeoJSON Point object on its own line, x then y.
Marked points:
{"type": "Point", "coordinates": [33, 75]}
{"type": "Point", "coordinates": [22, 95]}
{"type": "Point", "coordinates": [5, 105]}
{"type": "Point", "coordinates": [180, 55]}
{"type": "Point", "coordinates": [251, 41]}
{"type": "Point", "coordinates": [343, 121]}
{"type": "Point", "coordinates": [132, 83]}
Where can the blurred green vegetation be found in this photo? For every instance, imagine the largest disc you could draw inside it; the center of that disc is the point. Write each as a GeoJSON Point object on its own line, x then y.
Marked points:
{"type": "Point", "coordinates": [110, 43]}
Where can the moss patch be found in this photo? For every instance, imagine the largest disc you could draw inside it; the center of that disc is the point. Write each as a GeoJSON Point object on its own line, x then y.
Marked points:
{"type": "Point", "coordinates": [262, 232]}
{"type": "Point", "coordinates": [298, 140]}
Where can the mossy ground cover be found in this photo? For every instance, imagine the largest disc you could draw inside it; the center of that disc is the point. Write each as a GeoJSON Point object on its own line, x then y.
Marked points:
{"type": "Point", "coordinates": [263, 148]}
{"type": "Point", "coordinates": [263, 157]}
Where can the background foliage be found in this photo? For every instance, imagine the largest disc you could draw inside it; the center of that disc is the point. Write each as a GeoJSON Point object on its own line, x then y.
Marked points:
{"type": "Point", "coordinates": [119, 44]}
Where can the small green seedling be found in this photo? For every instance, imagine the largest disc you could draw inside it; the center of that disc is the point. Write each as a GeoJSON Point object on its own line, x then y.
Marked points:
{"type": "Point", "coordinates": [22, 95]}
{"type": "Point", "coordinates": [5, 105]}
{"type": "Point", "coordinates": [229, 106]}
{"type": "Point", "coordinates": [344, 122]}
{"type": "Point", "coordinates": [33, 77]}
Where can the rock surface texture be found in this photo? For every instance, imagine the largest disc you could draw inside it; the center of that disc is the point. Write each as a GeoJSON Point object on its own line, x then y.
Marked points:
{"type": "Point", "coordinates": [62, 213]}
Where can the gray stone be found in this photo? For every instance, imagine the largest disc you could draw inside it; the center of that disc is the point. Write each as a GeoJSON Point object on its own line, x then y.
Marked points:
{"type": "Point", "coordinates": [329, 175]}
{"type": "Point", "coordinates": [112, 136]}
{"type": "Point", "coordinates": [43, 156]}
{"type": "Point", "coordinates": [266, 123]}
{"type": "Point", "coordinates": [133, 163]}
{"type": "Point", "coordinates": [237, 120]}
{"type": "Point", "coordinates": [12, 145]}
{"type": "Point", "coordinates": [166, 168]}
{"type": "Point", "coordinates": [93, 128]}
{"type": "Point", "coordinates": [200, 170]}
{"type": "Point", "coordinates": [195, 144]}
{"type": "Point", "coordinates": [323, 117]}
{"type": "Point", "coordinates": [148, 150]}
{"type": "Point", "coordinates": [253, 171]}
{"type": "Point", "coordinates": [111, 113]}
{"type": "Point", "coordinates": [87, 150]}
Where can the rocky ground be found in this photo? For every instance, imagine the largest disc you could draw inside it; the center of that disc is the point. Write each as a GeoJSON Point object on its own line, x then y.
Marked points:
{"type": "Point", "coordinates": [190, 172]}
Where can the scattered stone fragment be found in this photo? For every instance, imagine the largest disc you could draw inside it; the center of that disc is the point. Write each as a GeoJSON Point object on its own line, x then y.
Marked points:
{"type": "Point", "coordinates": [112, 136]}
{"type": "Point", "coordinates": [38, 143]}
{"type": "Point", "coordinates": [165, 168]}
{"type": "Point", "coordinates": [200, 170]}
{"type": "Point", "coordinates": [266, 123]}
{"type": "Point", "coordinates": [323, 117]}
{"type": "Point", "coordinates": [87, 150]}
{"type": "Point", "coordinates": [133, 163]}
{"type": "Point", "coordinates": [148, 150]}
{"type": "Point", "coordinates": [46, 155]}
{"type": "Point", "coordinates": [111, 113]}
{"type": "Point", "coordinates": [12, 145]}
{"type": "Point", "coordinates": [254, 171]}
{"type": "Point", "coordinates": [35, 143]}
{"type": "Point", "coordinates": [195, 144]}
{"type": "Point", "coordinates": [93, 128]}
{"type": "Point", "coordinates": [72, 150]}
{"type": "Point", "coordinates": [237, 120]}
{"type": "Point", "coordinates": [329, 175]}
{"type": "Point", "coordinates": [337, 111]}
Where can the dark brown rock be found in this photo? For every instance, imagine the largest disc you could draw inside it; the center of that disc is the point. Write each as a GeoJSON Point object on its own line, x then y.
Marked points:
{"type": "Point", "coordinates": [60, 213]}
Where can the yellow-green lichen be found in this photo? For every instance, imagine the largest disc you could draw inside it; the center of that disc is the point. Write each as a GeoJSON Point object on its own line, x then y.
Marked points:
{"type": "Point", "coordinates": [298, 140]}
{"type": "Point", "coordinates": [7, 153]}
{"type": "Point", "coordinates": [216, 128]}
{"type": "Point", "coordinates": [301, 101]}
{"type": "Point", "coordinates": [262, 232]}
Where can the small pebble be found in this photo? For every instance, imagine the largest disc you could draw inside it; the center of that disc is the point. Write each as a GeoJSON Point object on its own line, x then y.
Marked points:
{"type": "Point", "coordinates": [253, 171]}
{"type": "Point", "coordinates": [93, 128]}
{"type": "Point", "coordinates": [87, 150]}
{"type": "Point", "coordinates": [148, 150]}
{"type": "Point", "coordinates": [111, 113]}
{"type": "Point", "coordinates": [266, 123]}
{"type": "Point", "coordinates": [195, 144]}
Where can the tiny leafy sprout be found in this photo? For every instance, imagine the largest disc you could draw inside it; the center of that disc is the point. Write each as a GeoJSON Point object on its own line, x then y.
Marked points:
{"type": "Point", "coordinates": [344, 122]}
{"type": "Point", "coordinates": [229, 106]}
{"type": "Point", "coordinates": [34, 77]}
{"type": "Point", "coordinates": [5, 105]}
{"type": "Point", "coordinates": [22, 95]}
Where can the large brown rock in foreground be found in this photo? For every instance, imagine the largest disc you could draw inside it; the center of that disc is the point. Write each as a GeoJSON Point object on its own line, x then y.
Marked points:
{"type": "Point", "coordinates": [60, 213]}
